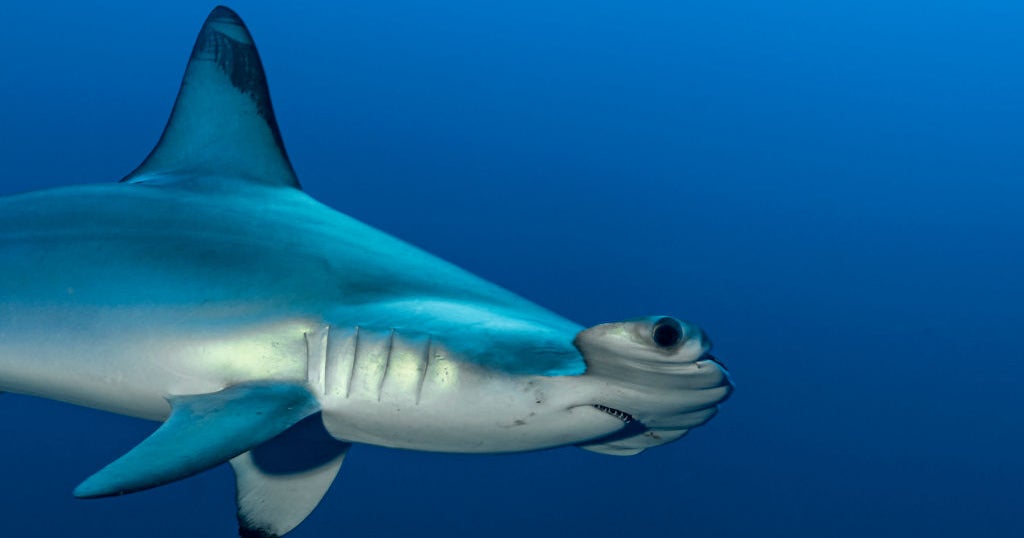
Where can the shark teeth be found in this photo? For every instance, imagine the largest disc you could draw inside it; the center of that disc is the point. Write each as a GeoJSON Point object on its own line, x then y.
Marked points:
{"type": "Point", "coordinates": [625, 417]}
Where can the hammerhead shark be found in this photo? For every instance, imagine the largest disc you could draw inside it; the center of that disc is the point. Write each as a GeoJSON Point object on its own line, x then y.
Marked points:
{"type": "Point", "coordinates": [207, 291]}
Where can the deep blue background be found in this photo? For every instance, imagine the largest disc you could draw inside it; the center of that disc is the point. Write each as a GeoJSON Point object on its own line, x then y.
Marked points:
{"type": "Point", "coordinates": [833, 190]}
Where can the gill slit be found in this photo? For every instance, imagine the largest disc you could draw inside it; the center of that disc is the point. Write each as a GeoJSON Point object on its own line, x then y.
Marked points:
{"type": "Point", "coordinates": [323, 363]}
{"type": "Point", "coordinates": [309, 353]}
{"type": "Point", "coordinates": [316, 373]}
{"type": "Point", "coordinates": [387, 364]}
{"type": "Point", "coordinates": [426, 366]}
{"type": "Point", "coordinates": [355, 357]}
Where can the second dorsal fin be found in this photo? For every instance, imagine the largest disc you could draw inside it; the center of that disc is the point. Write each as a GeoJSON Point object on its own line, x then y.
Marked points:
{"type": "Point", "coordinates": [222, 124]}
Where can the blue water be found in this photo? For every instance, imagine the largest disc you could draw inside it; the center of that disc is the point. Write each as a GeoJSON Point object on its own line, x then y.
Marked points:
{"type": "Point", "coordinates": [833, 190]}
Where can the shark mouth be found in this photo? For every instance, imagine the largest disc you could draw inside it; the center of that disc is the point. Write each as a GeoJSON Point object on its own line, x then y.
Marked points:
{"type": "Point", "coordinates": [625, 417]}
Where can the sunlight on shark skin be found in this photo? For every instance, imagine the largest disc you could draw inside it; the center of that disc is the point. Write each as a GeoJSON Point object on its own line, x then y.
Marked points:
{"type": "Point", "coordinates": [207, 291]}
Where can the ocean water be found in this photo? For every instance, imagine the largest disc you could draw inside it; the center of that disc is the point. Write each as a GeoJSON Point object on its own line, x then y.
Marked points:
{"type": "Point", "coordinates": [833, 190]}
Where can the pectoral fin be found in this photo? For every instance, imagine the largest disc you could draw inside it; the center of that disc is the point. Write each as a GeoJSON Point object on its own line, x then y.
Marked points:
{"type": "Point", "coordinates": [203, 431]}
{"type": "Point", "coordinates": [281, 481]}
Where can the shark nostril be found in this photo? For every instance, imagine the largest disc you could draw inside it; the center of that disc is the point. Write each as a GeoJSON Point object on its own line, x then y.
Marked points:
{"type": "Point", "coordinates": [667, 332]}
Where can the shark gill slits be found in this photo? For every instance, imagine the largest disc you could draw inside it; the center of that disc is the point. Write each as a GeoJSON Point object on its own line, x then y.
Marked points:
{"type": "Point", "coordinates": [625, 417]}
{"type": "Point", "coordinates": [667, 333]}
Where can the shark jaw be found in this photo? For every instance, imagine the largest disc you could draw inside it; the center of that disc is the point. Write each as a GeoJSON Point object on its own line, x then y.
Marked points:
{"type": "Point", "coordinates": [207, 291]}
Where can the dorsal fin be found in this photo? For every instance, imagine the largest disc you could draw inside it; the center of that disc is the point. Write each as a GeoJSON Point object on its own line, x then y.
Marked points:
{"type": "Point", "coordinates": [222, 124]}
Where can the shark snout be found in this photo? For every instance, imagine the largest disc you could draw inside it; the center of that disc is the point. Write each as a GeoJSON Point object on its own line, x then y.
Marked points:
{"type": "Point", "coordinates": [657, 376]}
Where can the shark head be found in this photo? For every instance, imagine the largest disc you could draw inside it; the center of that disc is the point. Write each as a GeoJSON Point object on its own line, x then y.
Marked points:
{"type": "Point", "coordinates": [656, 376]}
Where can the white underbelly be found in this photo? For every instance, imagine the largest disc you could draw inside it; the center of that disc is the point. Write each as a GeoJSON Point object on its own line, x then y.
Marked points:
{"type": "Point", "coordinates": [408, 391]}
{"type": "Point", "coordinates": [377, 387]}
{"type": "Point", "coordinates": [128, 360]}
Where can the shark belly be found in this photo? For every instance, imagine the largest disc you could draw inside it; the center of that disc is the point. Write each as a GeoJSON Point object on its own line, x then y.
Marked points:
{"type": "Point", "coordinates": [130, 360]}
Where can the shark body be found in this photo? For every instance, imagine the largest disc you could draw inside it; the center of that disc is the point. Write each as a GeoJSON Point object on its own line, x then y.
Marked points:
{"type": "Point", "coordinates": [207, 291]}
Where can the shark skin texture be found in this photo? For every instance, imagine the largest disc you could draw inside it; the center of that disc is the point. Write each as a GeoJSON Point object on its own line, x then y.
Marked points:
{"type": "Point", "coordinates": [206, 291]}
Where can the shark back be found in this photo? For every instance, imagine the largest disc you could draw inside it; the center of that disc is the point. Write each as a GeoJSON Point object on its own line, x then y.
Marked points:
{"type": "Point", "coordinates": [214, 216]}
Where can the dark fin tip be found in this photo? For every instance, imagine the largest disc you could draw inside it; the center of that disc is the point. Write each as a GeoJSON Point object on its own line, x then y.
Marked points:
{"type": "Point", "coordinates": [224, 12]}
{"type": "Point", "coordinates": [245, 531]}
{"type": "Point", "coordinates": [237, 57]}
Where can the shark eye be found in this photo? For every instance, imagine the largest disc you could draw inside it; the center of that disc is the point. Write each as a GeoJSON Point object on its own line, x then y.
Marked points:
{"type": "Point", "coordinates": [667, 332]}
